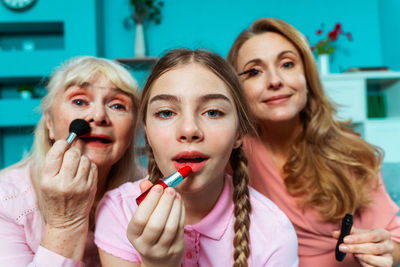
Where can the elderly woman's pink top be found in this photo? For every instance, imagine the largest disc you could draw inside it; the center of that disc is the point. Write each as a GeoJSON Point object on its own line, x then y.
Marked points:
{"type": "Point", "coordinates": [316, 244]}
{"type": "Point", "coordinates": [21, 226]}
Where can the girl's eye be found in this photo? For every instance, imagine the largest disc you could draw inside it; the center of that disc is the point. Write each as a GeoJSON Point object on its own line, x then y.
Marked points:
{"type": "Point", "coordinates": [165, 114]}
{"type": "Point", "coordinates": [79, 102]}
{"type": "Point", "coordinates": [118, 106]}
{"type": "Point", "coordinates": [213, 113]}
{"type": "Point", "coordinates": [288, 65]}
{"type": "Point", "coordinates": [250, 73]}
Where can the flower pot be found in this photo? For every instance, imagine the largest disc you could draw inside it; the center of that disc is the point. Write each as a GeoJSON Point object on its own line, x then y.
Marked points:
{"type": "Point", "coordinates": [323, 64]}
{"type": "Point", "coordinates": [140, 47]}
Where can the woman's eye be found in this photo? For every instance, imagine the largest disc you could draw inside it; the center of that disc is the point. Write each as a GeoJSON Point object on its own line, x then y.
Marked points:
{"type": "Point", "coordinates": [165, 114]}
{"type": "Point", "coordinates": [79, 102]}
{"type": "Point", "coordinates": [118, 106]}
{"type": "Point", "coordinates": [250, 73]}
{"type": "Point", "coordinates": [288, 65]}
{"type": "Point", "coordinates": [213, 113]}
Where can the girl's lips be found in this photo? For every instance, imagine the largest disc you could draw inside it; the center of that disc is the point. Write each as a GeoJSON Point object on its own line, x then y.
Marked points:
{"type": "Point", "coordinates": [196, 167]}
{"type": "Point", "coordinates": [195, 159]}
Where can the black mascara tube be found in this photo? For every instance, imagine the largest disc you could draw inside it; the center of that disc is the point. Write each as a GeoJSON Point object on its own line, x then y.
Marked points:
{"type": "Point", "coordinates": [347, 223]}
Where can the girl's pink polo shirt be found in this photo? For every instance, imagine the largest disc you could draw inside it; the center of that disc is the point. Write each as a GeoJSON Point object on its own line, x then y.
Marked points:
{"type": "Point", "coordinates": [273, 241]}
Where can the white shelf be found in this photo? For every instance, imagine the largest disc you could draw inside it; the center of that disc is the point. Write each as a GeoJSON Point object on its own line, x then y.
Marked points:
{"type": "Point", "coordinates": [350, 90]}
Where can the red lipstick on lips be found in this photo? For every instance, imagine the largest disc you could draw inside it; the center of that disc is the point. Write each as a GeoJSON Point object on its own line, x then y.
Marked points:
{"type": "Point", "coordinates": [195, 159]}
{"type": "Point", "coordinates": [171, 181]}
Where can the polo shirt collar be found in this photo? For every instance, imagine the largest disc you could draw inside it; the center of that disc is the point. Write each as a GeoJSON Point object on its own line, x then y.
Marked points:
{"type": "Point", "coordinates": [215, 224]}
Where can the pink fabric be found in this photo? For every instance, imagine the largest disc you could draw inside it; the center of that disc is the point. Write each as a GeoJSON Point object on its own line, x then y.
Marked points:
{"type": "Point", "coordinates": [316, 245]}
{"type": "Point", "coordinates": [209, 242]}
{"type": "Point", "coordinates": [22, 227]}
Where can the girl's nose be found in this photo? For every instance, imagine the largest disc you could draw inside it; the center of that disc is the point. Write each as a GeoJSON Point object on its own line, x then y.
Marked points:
{"type": "Point", "coordinates": [189, 130]}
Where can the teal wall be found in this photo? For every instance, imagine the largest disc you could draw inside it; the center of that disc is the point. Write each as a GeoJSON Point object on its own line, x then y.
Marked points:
{"type": "Point", "coordinates": [96, 28]}
{"type": "Point", "coordinates": [215, 24]}
{"type": "Point", "coordinates": [390, 29]}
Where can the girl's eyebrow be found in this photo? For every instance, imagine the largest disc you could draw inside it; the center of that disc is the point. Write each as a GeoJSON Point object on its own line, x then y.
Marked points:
{"type": "Point", "coordinates": [204, 98]}
{"type": "Point", "coordinates": [164, 97]}
{"type": "Point", "coordinates": [209, 97]}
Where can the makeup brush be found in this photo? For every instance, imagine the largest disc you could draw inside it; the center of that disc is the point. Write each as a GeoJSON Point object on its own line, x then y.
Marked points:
{"type": "Point", "coordinates": [78, 127]}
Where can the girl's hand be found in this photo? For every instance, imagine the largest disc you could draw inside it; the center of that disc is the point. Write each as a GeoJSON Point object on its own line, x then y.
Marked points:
{"type": "Point", "coordinates": [156, 228]}
{"type": "Point", "coordinates": [67, 187]}
{"type": "Point", "coordinates": [371, 247]}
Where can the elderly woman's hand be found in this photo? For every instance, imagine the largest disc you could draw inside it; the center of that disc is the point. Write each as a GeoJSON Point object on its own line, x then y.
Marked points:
{"type": "Point", "coordinates": [67, 187]}
{"type": "Point", "coordinates": [372, 247]}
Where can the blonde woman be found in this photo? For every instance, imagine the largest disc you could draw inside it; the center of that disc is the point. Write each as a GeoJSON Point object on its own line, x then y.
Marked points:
{"type": "Point", "coordinates": [48, 200]}
{"type": "Point", "coordinates": [312, 166]}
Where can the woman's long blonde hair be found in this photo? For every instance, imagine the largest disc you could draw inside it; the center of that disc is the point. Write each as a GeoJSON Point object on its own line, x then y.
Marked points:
{"type": "Point", "coordinates": [329, 166]}
{"type": "Point", "coordinates": [75, 71]}
{"type": "Point", "coordinates": [238, 161]}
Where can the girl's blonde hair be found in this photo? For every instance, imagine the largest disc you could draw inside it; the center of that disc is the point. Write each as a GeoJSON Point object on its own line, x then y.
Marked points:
{"type": "Point", "coordinates": [330, 166]}
{"type": "Point", "coordinates": [238, 161]}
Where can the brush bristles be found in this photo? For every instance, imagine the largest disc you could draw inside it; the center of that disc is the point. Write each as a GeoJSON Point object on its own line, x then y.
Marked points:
{"type": "Point", "coordinates": [79, 127]}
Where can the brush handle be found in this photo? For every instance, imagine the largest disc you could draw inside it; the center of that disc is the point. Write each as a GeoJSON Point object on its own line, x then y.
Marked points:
{"type": "Point", "coordinates": [71, 137]}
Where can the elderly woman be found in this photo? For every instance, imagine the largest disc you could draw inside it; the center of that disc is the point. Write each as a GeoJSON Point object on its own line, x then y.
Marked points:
{"type": "Point", "coordinates": [48, 200]}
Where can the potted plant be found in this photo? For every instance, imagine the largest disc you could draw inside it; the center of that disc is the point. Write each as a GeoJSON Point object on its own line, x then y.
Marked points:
{"type": "Point", "coordinates": [325, 47]}
{"type": "Point", "coordinates": [149, 10]}
{"type": "Point", "coordinates": [26, 91]}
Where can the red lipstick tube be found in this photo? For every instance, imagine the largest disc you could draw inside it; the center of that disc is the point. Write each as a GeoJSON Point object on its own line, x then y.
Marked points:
{"type": "Point", "coordinates": [171, 181]}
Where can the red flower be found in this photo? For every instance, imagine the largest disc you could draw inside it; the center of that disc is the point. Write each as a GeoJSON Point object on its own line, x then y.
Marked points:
{"type": "Point", "coordinates": [333, 35]}
{"type": "Point", "coordinates": [326, 45]}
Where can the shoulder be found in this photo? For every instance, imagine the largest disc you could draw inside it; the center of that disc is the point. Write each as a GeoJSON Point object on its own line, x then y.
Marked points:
{"type": "Point", "coordinates": [266, 216]}
{"type": "Point", "coordinates": [272, 235]}
{"type": "Point", "coordinates": [125, 191]}
{"type": "Point", "coordinates": [121, 199]}
{"type": "Point", "coordinates": [17, 195]}
{"type": "Point", "coordinates": [264, 207]}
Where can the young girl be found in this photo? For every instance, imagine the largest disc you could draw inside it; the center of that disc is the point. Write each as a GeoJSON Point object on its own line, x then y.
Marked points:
{"type": "Point", "coordinates": [194, 114]}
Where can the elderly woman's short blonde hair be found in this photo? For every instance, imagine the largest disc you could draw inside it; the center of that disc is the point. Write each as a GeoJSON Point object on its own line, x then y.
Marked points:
{"type": "Point", "coordinates": [75, 71]}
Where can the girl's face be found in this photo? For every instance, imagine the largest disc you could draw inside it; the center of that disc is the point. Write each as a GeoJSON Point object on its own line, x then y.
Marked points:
{"type": "Point", "coordinates": [191, 120]}
{"type": "Point", "coordinates": [273, 79]}
{"type": "Point", "coordinates": [109, 112]}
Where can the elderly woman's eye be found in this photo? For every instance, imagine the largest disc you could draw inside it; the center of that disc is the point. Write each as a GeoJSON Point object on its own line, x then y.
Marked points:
{"type": "Point", "coordinates": [118, 107]}
{"type": "Point", "coordinates": [79, 102]}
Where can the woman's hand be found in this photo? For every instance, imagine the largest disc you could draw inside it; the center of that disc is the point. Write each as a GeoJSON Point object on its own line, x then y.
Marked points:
{"type": "Point", "coordinates": [67, 190]}
{"type": "Point", "coordinates": [68, 186]}
{"type": "Point", "coordinates": [371, 247]}
{"type": "Point", "coordinates": [156, 228]}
